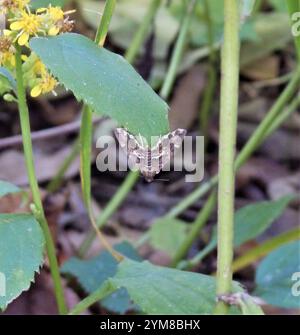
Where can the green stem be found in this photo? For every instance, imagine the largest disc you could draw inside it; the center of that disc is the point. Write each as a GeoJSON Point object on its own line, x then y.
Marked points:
{"type": "Point", "coordinates": [85, 153]}
{"type": "Point", "coordinates": [104, 22]}
{"type": "Point", "coordinates": [228, 127]}
{"type": "Point", "coordinates": [294, 7]}
{"type": "Point", "coordinates": [38, 206]}
{"type": "Point", "coordinates": [265, 248]}
{"type": "Point", "coordinates": [280, 119]}
{"type": "Point", "coordinates": [86, 131]}
{"type": "Point", "coordinates": [195, 229]}
{"type": "Point", "coordinates": [109, 210]}
{"type": "Point", "coordinates": [178, 50]}
{"type": "Point", "coordinates": [142, 31]}
{"type": "Point", "coordinates": [105, 290]}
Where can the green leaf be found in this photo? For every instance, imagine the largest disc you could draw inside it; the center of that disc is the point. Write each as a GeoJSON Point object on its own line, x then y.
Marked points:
{"type": "Point", "coordinates": [8, 78]}
{"type": "Point", "coordinates": [167, 234]}
{"type": "Point", "coordinates": [8, 188]}
{"type": "Point", "coordinates": [253, 220]}
{"type": "Point", "coordinates": [92, 273]}
{"type": "Point", "coordinates": [21, 254]}
{"type": "Point", "coordinates": [105, 81]}
{"type": "Point", "coordinates": [274, 277]}
{"type": "Point", "coordinates": [45, 3]}
{"type": "Point", "coordinates": [164, 291]}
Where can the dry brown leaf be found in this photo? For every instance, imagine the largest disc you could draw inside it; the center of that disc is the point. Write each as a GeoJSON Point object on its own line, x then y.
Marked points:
{"type": "Point", "coordinates": [185, 103]}
{"type": "Point", "coordinates": [265, 68]}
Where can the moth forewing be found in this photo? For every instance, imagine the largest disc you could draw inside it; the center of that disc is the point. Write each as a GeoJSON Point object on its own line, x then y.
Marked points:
{"type": "Point", "coordinates": [150, 160]}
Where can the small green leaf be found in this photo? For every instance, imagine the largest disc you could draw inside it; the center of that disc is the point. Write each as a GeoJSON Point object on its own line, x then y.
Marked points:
{"type": "Point", "coordinates": [253, 220]}
{"type": "Point", "coordinates": [21, 254]}
{"type": "Point", "coordinates": [92, 273]}
{"type": "Point", "coordinates": [167, 234]}
{"type": "Point", "coordinates": [274, 277]}
{"type": "Point", "coordinates": [164, 291]}
{"type": "Point", "coordinates": [105, 81]}
{"type": "Point", "coordinates": [8, 188]}
{"type": "Point", "coordinates": [8, 78]}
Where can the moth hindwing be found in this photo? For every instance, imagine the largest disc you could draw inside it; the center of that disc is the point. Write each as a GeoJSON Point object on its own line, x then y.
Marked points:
{"type": "Point", "coordinates": [150, 160]}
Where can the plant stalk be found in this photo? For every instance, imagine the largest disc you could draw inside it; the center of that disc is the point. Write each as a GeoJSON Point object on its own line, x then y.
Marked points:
{"type": "Point", "coordinates": [178, 50]}
{"type": "Point", "coordinates": [228, 128]}
{"type": "Point", "coordinates": [142, 31]}
{"type": "Point", "coordinates": [38, 206]}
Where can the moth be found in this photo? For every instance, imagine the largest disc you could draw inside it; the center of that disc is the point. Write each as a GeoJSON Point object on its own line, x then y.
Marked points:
{"type": "Point", "coordinates": [150, 160]}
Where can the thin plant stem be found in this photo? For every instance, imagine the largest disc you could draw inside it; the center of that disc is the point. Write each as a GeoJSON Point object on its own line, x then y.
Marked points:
{"type": "Point", "coordinates": [195, 229]}
{"type": "Point", "coordinates": [86, 131]}
{"type": "Point", "coordinates": [178, 50]}
{"type": "Point", "coordinates": [103, 291]}
{"type": "Point", "coordinates": [104, 22]}
{"type": "Point", "coordinates": [228, 127]}
{"type": "Point", "coordinates": [110, 209]}
{"type": "Point", "coordinates": [265, 248]}
{"type": "Point", "coordinates": [212, 74]}
{"type": "Point", "coordinates": [142, 31]}
{"type": "Point", "coordinates": [280, 118]}
{"type": "Point", "coordinates": [38, 206]}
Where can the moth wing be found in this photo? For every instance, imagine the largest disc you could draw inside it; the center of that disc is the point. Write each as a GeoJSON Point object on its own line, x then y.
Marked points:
{"type": "Point", "coordinates": [163, 151]}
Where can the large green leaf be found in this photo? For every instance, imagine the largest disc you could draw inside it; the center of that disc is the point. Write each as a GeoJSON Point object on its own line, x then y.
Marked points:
{"type": "Point", "coordinates": [159, 290]}
{"type": "Point", "coordinates": [21, 254]}
{"type": "Point", "coordinates": [274, 277]}
{"type": "Point", "coordinates": [105, 81]}
{"type": "Point", "coordinates": [92, 273]}
{"type": "Point", "coordinates": [167, 234]}
{"type": "Point", "coordinates": [8, 188]}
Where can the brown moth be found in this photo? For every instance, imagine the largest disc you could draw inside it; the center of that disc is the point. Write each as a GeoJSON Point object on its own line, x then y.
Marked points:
{"type": "Point", "coordinates": [150, 160]}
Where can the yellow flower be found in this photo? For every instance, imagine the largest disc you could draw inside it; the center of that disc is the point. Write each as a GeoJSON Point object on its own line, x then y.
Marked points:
{"type": "Point", "coordinates": [56, 13]}
{"type": "Point", "coordinates": [27, 25]}
{"type": "Point", "coordinates": [46, 84]}
{"type": "Point", "coordinates": [55, 19]}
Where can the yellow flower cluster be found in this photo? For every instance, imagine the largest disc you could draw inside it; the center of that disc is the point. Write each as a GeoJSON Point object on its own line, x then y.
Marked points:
{"type": "Point", "coordinates": [24, 24]}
